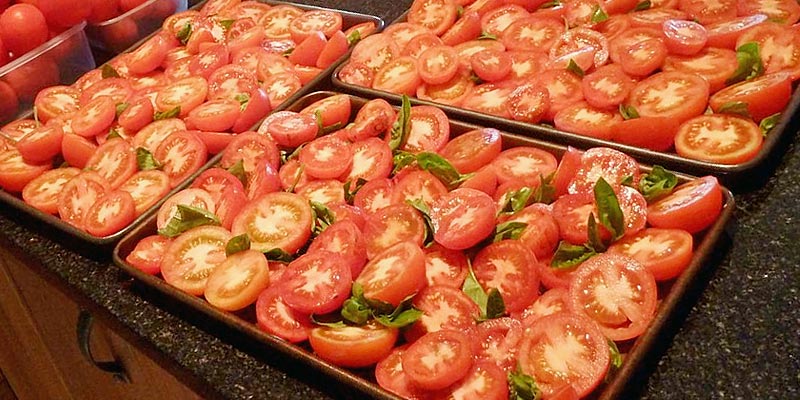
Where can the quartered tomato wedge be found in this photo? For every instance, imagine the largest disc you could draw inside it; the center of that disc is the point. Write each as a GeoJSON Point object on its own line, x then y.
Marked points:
{"type": "Point", "coordinates": [193, 256]}
{"type": "Point", "coordinates": [353, 346]}
{"type": "Point", "coordinates": [275, 220]}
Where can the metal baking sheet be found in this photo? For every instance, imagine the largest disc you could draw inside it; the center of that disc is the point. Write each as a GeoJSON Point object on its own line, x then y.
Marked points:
{"type": "Point", "coordinates": [756, 170]}
{"type": "Point", "coordinates": [673, 296]}
{"type": "Point", "coordinates": [348, 19]}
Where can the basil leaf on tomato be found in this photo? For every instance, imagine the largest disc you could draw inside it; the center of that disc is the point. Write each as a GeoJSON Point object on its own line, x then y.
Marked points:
{"type": "Point", "coordinates": [145, 159]}
{"type": "Point", "coordinates": [599, 15]}
{"type": "Point", "coordinates": [323, 217]}
{"type": "Point", "coordinates": [487, 36]}
{"type": "Point", "coordinates": [279, 255]}
{"type": "Point", "coordinates": [610, 213]}
{"type": "Point", "coordinates": [351, 189]}
{"type": "Point", "coordinates": [495, 306]}
{"type": "Point", "coordinates": [402, 315]}
{"type": "Point", "coordinates": [237, 244]}
{"type": "Point", "coordinates": [545, 192]}
{"type": "Point", "coordinates": [569, 255]}
{"type": "Point", "coordinates": [441, 169]}
{"type": "Point", "coordinates": [643, 5]}
{"type": "Point", "coordinates": [356, 309]}
{"type": "Point", "coordinates": [159, 115]}
{"type": "Point", "coordinates": [187, 217]}
{"type": "Point", "coordinates": [401, 126]}
{"type": "Point", "coordinates": [107, 71]}
{"type": "Point", "coordinates": [735, 108]}
{"type": "Point", "coordinates": [315, 319]}
{"type": "Point", "coordinates": [227, 23]}
{"type": "Point", "coordinates": [243, 99]}
{"type": "Point", "coordinates": [750, 66]}
{"type": "Point", "coordinates": [121, 107]}
{"type": "Point", "coordinates": [515, 201]}
{"type": "Point", "coordinates": [768, 123]}
{"type": "Point", "coordinates": [423, 209]}
{"type": "Point", "coordinates": [628, 112]}
{"type": "Point", "coordinates": [238, 171]}
{"type": "Point", "coordinates": [184, 33]}
{"type": "Point", "coordinates": [657, 183]}
{"type": "Point", "coordinates": [402, 159]}
{"type": "Point", "coordinates": [113, 133]}
{"type": "Point", "coordinates": [575, 68]}
{"type": "Point", "coordinates": [509, 230]}
{"type": "Point", "coordinates": [522, 386]}
{"type": "Point", "coordinates": [353, 38]}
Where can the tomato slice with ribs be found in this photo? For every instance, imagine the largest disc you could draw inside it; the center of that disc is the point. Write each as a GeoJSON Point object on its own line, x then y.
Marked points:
{"type": "Point", "coordinates": [115, 161]}
{"type": "Point", "coordinates": [664, 252]}
{"type": "Point", "coordinates": [719, 138]}
{"type": "Point", "coordinates": [443, 307]}
{"type": "Point", "coordinates": [193, 256]}
{"type": "Point", "coordinates": [692, 206]}
{"type": "Point", "coordinates": [43, 191]}
{"type": "Point", "coordinates": [317, 282]}
{"type": "Point", "coordinates": [110, 213]}
{"type": "Point", "coordinates": [438, 359]}
{"type": "Point", "coordinates": [353, 346]}
{"type": "Point", "coordinates": [275, 317]}
{"type": "Point", "coordinates": [275, 220]}
{"type": "Point", "coordinates": [509, 267]}
{"type": "Point", "coordinates": [391, 225]}
{"type": "Point", "coordinates": [394, 274]}
{"type": "Point", "coordinates": [462, 218]}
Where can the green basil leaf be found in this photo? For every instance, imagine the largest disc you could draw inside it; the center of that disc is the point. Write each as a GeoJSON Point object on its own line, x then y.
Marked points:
{"type": "Point", "coordinates": [475, 291]}
{"type": "Point", "coordinates": [643, 5]}
{"type": "Point", "coordinates": [354, 37]}
{"type": "Point", "coordinates": [402, 159]}
{"type": "Point", "coordinates": [187, 217]}
{"type": "Point", "coordinates": [575, 69]}
{"type": "Point", "coordinates": [113, 133]}
{"type": "Point", "coordinates": [487, 36]}
{"type": "Point", "coordinates": [184, 33]}
{"type": "Point", "coordinates": [599, 15]}
{"type": "Point", "coordinates": [550, 4]}
{"type": "Point", "coordinates": [495, 306]}
{"type": "Point", "coordinates": [243, 99]}
{"type": "Point", "coordinates": [616, 356]}
{"type": "Point", "coordinates": [769, 123]}
{"type": "Point", "coordinates": [238, 171]}
{"type": "Point", "coordinates": [509, 230]}
{"type": "Point", "coordinates": [459, 12]}
{"type": "Point", "coordinates": [568, 255]}
{"type": "Point", "coordinates": [750, 66]}
{"type": "Point", "coordinates": [356, 312]}
{"type": "Point", "coordinates": [608, 207]}
{"type": "Point", "coordinates": [107, 71]}
{"type": "Point", "coordinates": [121, 107]}
{"type": "Point", "coordinates": [420, 205]}
{"type": "Point", "coordinates": [475, 78]}
{"type": "Point", "coordinates": [145, 159]}
{"type": "Point", "coordinates": [278, 254]}
{"type": "Point", "coordinates": [324, 130]}
{"type": "Point", "coordinates": [226, 23]}
{"type": "Point", "coordinates": [286, 156]}
{"type": "Point", "coordinates": [657, 183]}
{"type": "Point", "coordinates": [323, 217]}
{"type": "Point", "coordinates": [237, 244]}
{"type": "Point", "coordinates": [401, 320]}
{"type": "Point", "coordinates": [288, 52]}
{"type": "Point", "coordinates": [350, 189]}
{"type": "Point", "coordinates": [735, 108]}
{"type": "Point", "coordinates": [546, 191]}
{"type": "Point", "coordinates": [333, 324]}
{"type": "Point", "coordinates": [441, 169]}
{"type": "Point", "coordinates": [628, 112]}
{"type": "Point", "coordinates": [595, 241]}
{"type": "Point", "coordinates": [401, 126]}
{"type": "Point", "coordinates": [515, 200]}
{"type": "Point", "coordinates": [522, 386]}
{"type": "Point", "coordinates": [159, 115]}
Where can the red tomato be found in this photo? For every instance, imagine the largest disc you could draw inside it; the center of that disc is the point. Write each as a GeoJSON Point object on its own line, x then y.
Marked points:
{"type": "Point", "coordinates": [706, 12]}
{"type": "Point", "coordinates": [230, 81]}
{"type": "Point", "coordinates": [375, 51]}
{"type": "Point", "coordinates": [112, 212]}
{"type": "Point", "coordinates": [563, 88]}
{"type": "Point", "coordinates": [334, 110]}
{"type": "Point", "coordinates": [215, 181]}
{"type": "Point", "coordinates": [613, 165]}
{"type": "Point", "coordinates": [438, 359]}
{"type": "Point", "coordinates": [715, 65]}
{"type": "Point", "coordinates": [655, 16]}
{"type": "Point", "coordinates": [78, 196]}
{"type": "Point", "coordinates": [291, 129]}
{"type": "Point", "coordinates": [437, 64]}
{"type": "Point", "coordinates": [579, 38]}
{"type": "Point", "coordinates": [436, 15]}
{"type": "Point", "coordinates": [684, 37]}
{"type": "Point", "coordinates": [541, 233]}
{"type": "Point", "coordinates": [41, 145]}
{"type": "Point", "coordinates": [444, 266]}
{"type": "Point", "coordinates": [764, 96]}
{"type": "Point", "coordinates": [572, 213]}
{"type": "Point", "coordinates": [258, 105]}
{"type": "Point", "coordinates": [550, 302]}
{"type": "Point", "coordinates": [186, 93]}
{"type": "Point", "coordinates": [725, 34]}
{"type": "Point", "coordinates": [307, 51]}
{"type": "Point", "coordinates": [472, 150]}
{"type": "Point", "coordinates": [149, 55]}
{"type": "Point", "coordinates": [353, 346]}
{"type": "Point", "coordinates": [489, 98]}
{"type": "Point", "coordinates": [42, 192]}
{"type": "Point", "coordinates": [344, 239]}
{"type": "Point", "coordinates": [147, 254]}
{"type": "Point", "coordinates": [76, 150]}
{"type": "Point", "coordinates": [509, 267]}
{"type": "Point", "coordinates": [719, 138]}
{"type": "Point", "coordinates": [325, 21]}
{"type": "Point", "coordinates": [193, 256]}
{"type": "Point", "coordinates": [783, 11]}
{"type": "Point", "coordinates": [583, 119]}
{"type": "Point", "coordinates": [261, 180]}
{"type": "Point", "coordinates": [22, 28]}
{"type": "Point", "coordinates": [567, 167]}
{"type": "Point", "coordinates": [496, 342]}
{"type": "Point", "coordinates": [316, 283]}
{"type": "Point", "coordinates": [390, 375]}
{"type": "Point", "coordinates": [277, 20]}
{"type": "Point", "coordinates": [529, 103]}
{"type": "Point", "coordinates": [214, 115]}
{"type": "Point", "coordinates": [399, 76]}
{"type": "Point", "coordinates": [250, 148]}
{"type": "Point", "coordinates": [374, 195]}
{"type": "Point", "coordinates": [364, 29]}
{"type": "Point", "coordinates": [452, 92]}
{"type": "Point", "coordinates": [534, 33]}
{"type": "Point", "coordinates": [181, 154]}
{"type": "Point", "coordinates": [336, 47]}
{"type": "Point", "coordinates": [615, 291]}
{"type": "Point", "coordinates": [564, 349]}
{"type": "Point", "coordinates": [663, 252]}
{"type": "Point", "coordinates": [154, 133]}
{"type": "Point", "coordinates": [327, 157]}
{"type": "Point", "coordinates": [491, 65]}
{"type": "Point", "coordinates": [394, 274]}
{"type": "Point", "coordinates": [191, 197]}
{"type": "Point", "coordinates": [118, 89]}
{"type": "Point", "coordinates": [526, 65]}
{"type": "Point", "coordinates": [644, 57]}
{"type": "Point", "coordinates": [375, 118]}
{"type": "Point", "coordinates": [526, 164]}
{"type": "Point", "coordinates": [275, 317]}
{"type": "Point", "coordinates": [275, 220]}
{"type": "Point", "coordinates": [692, 206]}
{"type": "Point", "coordinates": [372, 159]}
{"type": "Point", "coordinates": [606, 87]}
{"type": "Point", "coordinates": [462, 218]}
{"type": "Point", "coordinates": [779, 47]}
{"type": "Point", "coordinates": [9, 103]}
{"type": "Point", "coordinates": [467, 27]}
{"type": "Point", "coordinates": [495, 22]}
{"type": "Point", "coordinates": [430, 130]}
{"type": "Point", "coordinates": [484, 381]}
{"type": "Point", "coordinates": [391, 225]}
{"type": "Point", "coordinates": [356, 73]}
{"type": "Point", "coordinates": [94, 117]}
{"type": "Point", "coordinates": [55, 101]}
{"type": "Point", "coordinates": [659, 136]}
{"type": "Point", "coordinates": [630, 37]}
{"type": "Point", "coordinates": [115, 161]}
{"type": "Point", "coordinates": [147, 188]}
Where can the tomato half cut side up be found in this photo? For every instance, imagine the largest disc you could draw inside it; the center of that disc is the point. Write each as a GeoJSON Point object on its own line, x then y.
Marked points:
{"type": "Point", "coordinates": [353, 346]}
{"type": "Point", "coordinates": [617, 292]}
{"type": "Point", "coordinates": [472, 150]}
{"type": "Point", "coordinates": [147, 254]}
{"type": "Point", "coordinates": [394, 274]}
{"type": "Point", "coordinates": [462, 218]}
{"type": "Point", "coordinates": [564, 349]}
{"type": "Point", "coordinates": [438, 359]}
{"type": "Point", "coordinates": [664, 252]}
{"type": "Point", "coordinates": [443, 307]}
{"type": "Point", "coordinates": [237, 281]}
{"type": "Point", "coordinates": [275, 220]}
{"type": "Point", "coordinates": [181, 154]}
{"type": "Point", "coordinates": [111, 213]}
{"type": "Point", "coordinates": [444, 266]}
{"type": "Point", "coordinates": [192, 257]}
{"type": "Point", "coordinates": [316, 283]}
{"type": "Point", "coordinates": [275, 317]}
{"type": "Point", "coordinates": [692, 206]}
{"type": "Point", "coordinates": [719, 138]}
{"type": "Point", "coordinates": [42, 192]}
{"type": "Point", "coordinates": [391, 225]}
{"type": "Point", "coordinates": [510, 267]}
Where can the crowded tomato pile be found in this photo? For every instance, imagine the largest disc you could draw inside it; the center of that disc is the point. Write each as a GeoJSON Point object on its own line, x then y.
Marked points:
{"type": "Point", "coordinates": [125, 134]}
{"type": "Point", "coordinates": [458, 266]}
{"type": "Point", "coordinates": [706, 79]}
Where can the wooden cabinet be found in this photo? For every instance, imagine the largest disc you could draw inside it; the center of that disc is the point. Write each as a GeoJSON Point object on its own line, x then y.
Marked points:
{"type": "Point", "coordinates": [39, 352]}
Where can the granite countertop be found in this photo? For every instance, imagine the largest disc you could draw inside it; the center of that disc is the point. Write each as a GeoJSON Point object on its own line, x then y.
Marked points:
{"type": "Point", "coordinates": [740, 338]}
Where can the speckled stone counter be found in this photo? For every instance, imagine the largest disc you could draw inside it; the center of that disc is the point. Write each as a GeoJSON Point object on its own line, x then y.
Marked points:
{"type": "Point", "coordinates": [739, 338]}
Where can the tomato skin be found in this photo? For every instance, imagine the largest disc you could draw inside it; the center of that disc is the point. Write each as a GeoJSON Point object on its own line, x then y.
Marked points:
{"type": "Point", "coordinates": [147, 254]}
{"type": "Point", "coordinates": [436, 15]}
{"type": "Point", "coordinates": [353, 346]}
{"type": "Point", "coordinates": [117, 154]}
{"type": "Point", "coordinates": [76, 150]}
{"type": "Point", "coordinates": [307, 51]}
{"type": "Point", "coordinates": [692, 206]}
{"type": "Point", "coordinates": [467, 27]}
{"type": "Point", "coordinates": [405, 264]}
{"type": "Point", "coordinates": [41, 145]}
{"type": "Point", "coordinates": [258, 106]}
{"type": "Point", "coordinates": [78, 195]}
{"type": "Point", "coordinates": [335, 48]}
{"type": "Point", "coordinates": [215, 115]}
{"type": "Point", "coordinates": [22, 28]}
{"type": "Point", "coordinates": [462, 218]}
{"type": "Point", "coordinates": [110, 213]}
{"type": "Point", "coordinates": [701, 138]}
{"type": "Point", "coordinates": [147, 188]}
{"type": "Point", "coordinates": [663, 252]}
{"type": "Point", "coordinates": [583, 119]}
{"type": "Point", "coordinates": [659, 136]}
{"type": "Point", "coordinates": [391, 225]}
{"type": "Point", "coordinates": [510, 267]}
{"type": "Point", "coordinates": [453, 351]}
{"type": "Point", "coordinates": [188, 274]}
{"type": "Point", "coordinates": [236, 282]}
{"type": "Point", "coordinates": [292, 226]}
{"type": "Point", "coordinates": [42, 192]}
{"type": "Point", "coordinates": [181, 154]}
{"type": "Point", "coordinates": [764, 96]}
{"type": "Point", "coordinates": [334, 110]}
{"type": "Point", "coordinates": [725, 34]}
{"type": "Point", "coordinates": [684, 37]}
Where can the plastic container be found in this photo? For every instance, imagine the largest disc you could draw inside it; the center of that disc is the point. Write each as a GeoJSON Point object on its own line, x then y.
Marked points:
{"type": "Point", "coordinates": [673, 295]}
{"type": "Point", "coordinates": [61, 60]}
{"type": "Point", "coordinates": [118, 34]}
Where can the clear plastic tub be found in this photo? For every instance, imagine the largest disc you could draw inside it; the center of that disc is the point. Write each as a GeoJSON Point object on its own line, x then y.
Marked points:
{"type": "Point", "coordinates": [61, 60]}
{"type": "Point", "coordinates": [119, 33]}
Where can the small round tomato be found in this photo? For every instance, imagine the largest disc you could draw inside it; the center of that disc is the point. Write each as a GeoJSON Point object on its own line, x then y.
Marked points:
{"type": "Point", "coordinates": [692, 206]}
{"type": "Point", "coordinates": [467, 27]}
{"type": "Point", "coordinates": [22, 28]}
{"type": "Point", "coordinates": [193, 256]}
{"type": "Point", "coordinates": [643, 57]}
{"type": "Point", "coordinates": [149, 55]}
{"type": "Point", "coordinates": [684, 37]}
{"type": "Point", "coordinates": [510, 267]}
{"type": "Point", "coordinates": [552, 301]}
{"type": "Point", "coordinates": [563, 88]}
{"type": "Point", "coordinates": [438, 359]}
{"type": "Point", "coordinates": [572, 211]}
{"type": "Point", "coordinates": [356, 73]}
{"type": "Point", "coordinates": [112, 212]}
{"type": "Point", "coordinates": [41, 145]}
{"type": "Point", "coordinates": [462, 218]}
{"type": "Point", "coordinates": [437, 64]}
{"type": "Point", "coordinates": [181, 154]}
{"type": "Point", "coordinates": [353, 346]}
{"type": "Point", "coordinates": [137, 115]}
{"type": "Point", "coordinates": [42, 192]}
{"type": "Point", "coordinates": [118, 89]}
{"type": "Point", "coordinates": [236, 282]}
{"type": "Point", "coordinates": [317, 282]}
{"type": "Point", "coordinates": [275, 220]}
{"type": "Point", "coordinates": [374, 195]}
{"type": "Point", "coordinates": [719, 138]}
{"type": "Point", "coordinates": [484, 381]}
{"type": "Point", "coordinates": [147, 254]}
{"type": "Point", "coordinates": [394, 274]}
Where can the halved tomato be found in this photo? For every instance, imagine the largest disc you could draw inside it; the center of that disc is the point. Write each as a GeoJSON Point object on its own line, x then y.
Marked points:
{"type": "Point", "coordinates": [394, 274]}
{"type": "Point", "coordinates": [692, 206]}
{"type": "Point", "coordinates": [110, 213]}
{"type": "Point", "coordinates": [275, 220]}
{"type": "Point", "coordinates": [193, 256]}
{"type": "Point", "coordinates": [353, 346]}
